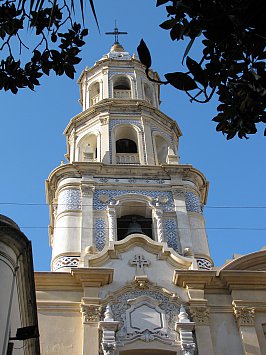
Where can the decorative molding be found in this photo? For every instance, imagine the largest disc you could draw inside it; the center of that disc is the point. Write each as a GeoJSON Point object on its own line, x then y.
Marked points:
{"type": "Point", "coordinates": [204, 264]}
{"type": "Point", "coordinates": [145, 303]}
{"type": "Point", "coordinates": [65, 261]}
{"type": "Point", "coordinates": [179, 194]}
{"type": "Point", "coordinates": [245, 316]}
{"type": "Point", "coordinates": [101, 205]}
{"type": "Point", "coordinates": [161, 250]}
{"type": "Point", "coordinates": [69, 199]}
{"type": "Point", "coordinates": [200, 315]}
{"type": "Point", "coordinates": [86, 190]}
{"type": "Point", "coordinates": [90, 313]}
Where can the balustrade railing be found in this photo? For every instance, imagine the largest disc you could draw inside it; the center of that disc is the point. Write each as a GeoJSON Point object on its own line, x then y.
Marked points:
{"type": "Point", "coordinates": [122, 94]}
{"type": "Point", "coordinates": [95, 99]}
{"type": "Point", "coordinates": [127, 158]}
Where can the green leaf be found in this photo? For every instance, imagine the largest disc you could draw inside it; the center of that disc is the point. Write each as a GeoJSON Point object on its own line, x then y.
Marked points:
{"type": "Point", "coordinates": [161, 2]}
{"type": "Point", "coordinates": [144, 54]}
{"type": "Point", "coordinates": [166, 25]}
{"type": "Point", "coordinates": [196, 70]}
{"type": "Point", "coordinates": [181, 81]}
{"type": "Point", "coordinates": [177, 32]}
{"type": "Point", "coordinates": [188, 49]}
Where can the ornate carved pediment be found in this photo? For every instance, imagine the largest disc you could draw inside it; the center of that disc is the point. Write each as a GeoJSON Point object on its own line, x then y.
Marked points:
{"type": "Point", "coordinates": [115, 249]}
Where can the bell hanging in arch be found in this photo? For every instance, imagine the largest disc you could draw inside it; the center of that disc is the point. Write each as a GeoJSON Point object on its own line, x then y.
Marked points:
{"type": "Point", "coordinates": [134, 227]}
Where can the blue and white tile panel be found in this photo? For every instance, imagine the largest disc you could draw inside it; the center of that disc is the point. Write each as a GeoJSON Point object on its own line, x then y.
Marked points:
{"type": "Point", "coordinates": [65, 261]}
{"type": "Point", "coordinates": [69, 200]}
{"type": "Point", "coordinates": [171, 235]}
{"type": "Point", "coordinates": [100, 233]}
{"type": "Point", "coordinates": [193, 203]}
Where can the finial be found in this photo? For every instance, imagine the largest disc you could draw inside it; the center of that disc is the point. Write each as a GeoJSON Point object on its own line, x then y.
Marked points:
{"type": "Point", "coordinates": [116, 33]}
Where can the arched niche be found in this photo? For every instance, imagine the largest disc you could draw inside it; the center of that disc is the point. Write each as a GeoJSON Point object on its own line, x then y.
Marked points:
{"type": "Point", "coordinates": [134, 217]}
{"type": "Point", "coordinates": [148, 93]}
{"type": "Point", "coordinates": [88, 148]}
{"type": "Point", "coordinates": [121, 87]}
{"type": "Point", "coordinates": [161, 149]}
{"type": "Point", "coordinates": [94, 93]}
{"type": "Point", "coordinates": [127, 144]}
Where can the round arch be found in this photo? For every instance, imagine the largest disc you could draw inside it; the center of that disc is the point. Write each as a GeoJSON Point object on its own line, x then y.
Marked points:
{"type": "Point", "coordinates": [127, 131]}
{"type": "Point", "coordinates": [121, 86]}
{"type": "Point", "coordinates": [88, 147]}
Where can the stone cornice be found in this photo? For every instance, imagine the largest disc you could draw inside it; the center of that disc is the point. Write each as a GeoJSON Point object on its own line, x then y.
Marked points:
{"type": "Point", "coordinates": [224, 281]}
{"type": "Point", "coordinates": [131, 106]}
{"type": "Point", "coordinates": [93, 276]}
{"type": "Point", "coordinates": [243, 280]}
{"type": "Point", "coordinates": [77, 169]}
{"type": "Point", "coordinates": [193, 278]}
{"type": "Point", "coordinates": [160, 249]}
{"type": "Point", "coordinates": [76, 279]}
{"type": "Point", "coordinates": [58, 306]}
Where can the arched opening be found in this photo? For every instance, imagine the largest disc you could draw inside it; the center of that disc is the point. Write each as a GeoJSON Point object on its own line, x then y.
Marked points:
{"type": "Point", "coordinates": [126, 145]}
{"type": "Point", "coordinates": [161, 149]}
{"type": "Point", "coordinates": [94, 93]}
{"type": "Point", "coordinates": [88, 148]}
{"type": "Point", "coordinates": [134, 217]}
{"type": "Point", "coordinates": [133, 224]}
{"type": "Point", "coordinates": [148, 93]}
{"type": "Point", "coordinates": [121, 87]}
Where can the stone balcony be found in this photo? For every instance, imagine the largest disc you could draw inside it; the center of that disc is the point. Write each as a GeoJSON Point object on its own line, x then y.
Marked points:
{"type": "Point", "coordinates": [122, 94]}
{"type": "Point", "coordinates": [127, 158]}
{"type": "Point", "coordinates": [95, 99]}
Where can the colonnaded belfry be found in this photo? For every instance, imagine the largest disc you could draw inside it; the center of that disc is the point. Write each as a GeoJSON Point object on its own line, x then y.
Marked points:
{"type": "Point", "coordinates": [131, 272]}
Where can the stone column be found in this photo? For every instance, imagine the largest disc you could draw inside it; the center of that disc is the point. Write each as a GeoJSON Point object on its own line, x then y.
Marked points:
{"type": "Point", "coordinates": [158, 214]}
{"type": "Point", "coordinates": [90, 320]}
{"type": "Point", "coordinates": [149, 143]}
{"type": "Point", "coordinates": [200, 315]}
{"type": "Point", "coordinates": [245, 318]}
{"type": "Point", "coordinates": [183, 224]}
{"type": "Point", "coordinates": [111, 212]}
{"type": "Point", "coordinates": [87, 214]}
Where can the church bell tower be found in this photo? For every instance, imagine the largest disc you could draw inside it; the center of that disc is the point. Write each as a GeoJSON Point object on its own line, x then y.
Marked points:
{"type": "Point", "coordinates": [123, 177]}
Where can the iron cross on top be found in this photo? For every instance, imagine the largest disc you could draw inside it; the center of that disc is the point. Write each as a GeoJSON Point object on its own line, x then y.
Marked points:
{"type": "Point", "coordinates": [116, 33]}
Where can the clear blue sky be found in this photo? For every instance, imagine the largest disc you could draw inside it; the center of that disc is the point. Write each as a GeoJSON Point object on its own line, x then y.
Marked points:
{"type": "Point", "coordinates": [32, 141]}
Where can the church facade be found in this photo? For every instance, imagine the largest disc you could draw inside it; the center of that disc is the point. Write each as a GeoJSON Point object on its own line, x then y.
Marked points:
{"type": "Point", "coordinates": [131, 271]}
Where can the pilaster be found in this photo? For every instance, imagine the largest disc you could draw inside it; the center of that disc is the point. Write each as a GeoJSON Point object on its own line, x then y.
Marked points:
{"type": "Point", "coordinates": [90, 320]}
{"type": "Point", "coordinates": [245, 318]}
{"type": "Point", "coordinates": [182, 218]}
{"type": "Point", "coordinates": [87, 189]}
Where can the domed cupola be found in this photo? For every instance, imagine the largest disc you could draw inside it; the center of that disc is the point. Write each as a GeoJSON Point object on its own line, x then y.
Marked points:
{"type": "Point", "coordinates": [117, 75]}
